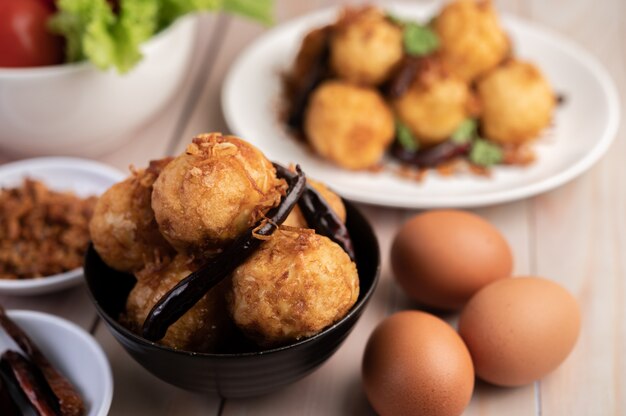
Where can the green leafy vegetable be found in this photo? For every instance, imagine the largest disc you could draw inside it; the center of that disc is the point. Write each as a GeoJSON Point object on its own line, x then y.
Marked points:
{"type": "Point", "coordinates": [260, 10]}
{"type": "Point", "coordinates": [485, 153]}
{"type": "Point", "coordinates": [405, 137]}
{"type": "Point", "coordinates": [465, 132]}
{"type": "Point", "coordinates": [93, 31]}
{"type": "Point", "coordinates": [419, 40]}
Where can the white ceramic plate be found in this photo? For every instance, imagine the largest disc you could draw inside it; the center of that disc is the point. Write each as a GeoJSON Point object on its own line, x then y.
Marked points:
{"type": "Point", "coordinates": [83, 177]}
{"type": "Point", "coordinates": [584, 126]}
{"type": "Point", "coordinates": [72, 351]}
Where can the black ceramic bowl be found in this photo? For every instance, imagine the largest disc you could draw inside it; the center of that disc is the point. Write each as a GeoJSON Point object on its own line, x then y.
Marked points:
{"type": "Point", "coordinates": [237, 374]}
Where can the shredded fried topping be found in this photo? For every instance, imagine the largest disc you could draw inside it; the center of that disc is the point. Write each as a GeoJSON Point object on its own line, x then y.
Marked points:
{"type": "Point", "coordinates": [42, 232]}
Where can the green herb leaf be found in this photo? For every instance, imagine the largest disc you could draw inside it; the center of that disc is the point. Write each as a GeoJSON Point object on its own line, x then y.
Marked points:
{"type": "Point", "coordinates": [405, 137]}
{"type": "Point", "coordinates": [465, 132]}
{"type": "Point", "coordinates": [259, 10]}
{"type": "Point", "coordinates": [419, 40]}
{"type": "Point", "coordinates": [93, 31]}
{"type": "Point", "coordinates": [485, 153]}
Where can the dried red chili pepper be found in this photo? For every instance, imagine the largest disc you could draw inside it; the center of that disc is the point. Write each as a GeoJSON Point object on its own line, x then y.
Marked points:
{"type": "Point", "coordinates": [188, 291]}
{"type": "Point", "coordinates": [8, 407]}
{"type": "Point", "coordinates": [32, 383]}
{"type": "Point", "coordinates": [320, 216]}
{"type": "Point", "coordinates": [431, 156]}
{"type": "Point", "coordinates": [69, 399]}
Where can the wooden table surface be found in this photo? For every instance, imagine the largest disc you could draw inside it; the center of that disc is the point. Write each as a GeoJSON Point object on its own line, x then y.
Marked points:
{"type": "Point", "coordinates": [575, 235]}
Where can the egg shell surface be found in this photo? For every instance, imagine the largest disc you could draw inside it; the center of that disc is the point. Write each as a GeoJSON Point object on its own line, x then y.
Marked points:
{"type": "Point", "coordinates": [441, 258]}
{"type": "Point", "coordinates": [416, 364]}
{"type": "Point", "coordinates": [518, 330]}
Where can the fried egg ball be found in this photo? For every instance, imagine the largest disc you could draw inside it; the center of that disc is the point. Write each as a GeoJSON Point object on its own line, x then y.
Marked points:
{"type": "Point", "coordinates": [348, 125]}
{"type": "Point", "coordinates": [435, 104]}
{"type": "Point", "coordinates": [517, 103]}
{"type": "Point", "coordinates": [215, 190]}
{"type": "Point", "coordinates": [472, 40]}
{"type": "Point", "coordinates": [296, 218]}
{"type": "Point", "coordinates": [202, 328]}
{"type": "Point", "coordinates": [295, 285]}
{"type": "Point", "coordinates": [365, 46]}
{"type": "Point", "coordinates": [123, 228]}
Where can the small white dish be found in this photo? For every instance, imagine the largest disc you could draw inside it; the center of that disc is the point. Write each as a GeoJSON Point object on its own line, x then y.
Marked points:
{"type": "Point", "coordinates": [82, 177]}
{"type": "Point", "coordinates": [72, 351]}
{"type": "Point", "coordinates": [584, 128]}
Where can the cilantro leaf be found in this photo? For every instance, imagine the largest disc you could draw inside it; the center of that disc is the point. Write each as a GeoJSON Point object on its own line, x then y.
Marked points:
{"type": "Point", "coordinates": [465, 132]}
{"type": "Point", "coordinates": [405, 137]}
{"type": "Point", "coordinates": [419, 40]}
{"type": "Point", "coordinates": [485, 153]}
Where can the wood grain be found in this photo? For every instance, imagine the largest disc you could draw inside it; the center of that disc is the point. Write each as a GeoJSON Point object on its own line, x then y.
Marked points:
{"type": "Point", "coordinates": [575, 235]}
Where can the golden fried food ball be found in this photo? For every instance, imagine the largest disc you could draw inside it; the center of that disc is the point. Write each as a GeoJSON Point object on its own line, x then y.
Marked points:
{"type": "Point", "coordinates": [435, 104]}
{"type": "Point", "coordinates": [203, 328]}
{"type": "Point", "coordinates": [349, 125]}
{"type": "Point", "coordinates": [296, 219]}
{"type": "Point", "coordinates": [215, 190]}
{"type": "Point", "coordinates": [365, 46]}
{"type": "Point", "coordinates": [295, 285]}
{"type": "Point", "coordinates": [123, 229]}
{"type": "Point", "coordinates": [472, 40]}
{"type": "Point", "coordinates": [517, 103]}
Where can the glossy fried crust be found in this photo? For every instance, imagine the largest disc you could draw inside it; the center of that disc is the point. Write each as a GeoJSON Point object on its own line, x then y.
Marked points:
{"type": "Point", "coordinates": [215, 190]}
{"type": "Point", "coordinates": [349, 125]}
{"type": "Point", "coordinates": [365, 46]}
{"type": "Point", "coordinates": [435, 104]}
{"type": "Point", "coordinates": [201, 329]}
{"type": "Point", "coordinates": [472, 40]}
{"type": "Point", "coordinates": [123, 228]}
{"type": "Point", "coordinates": [294, 286]}
{"type": "Point", "coordinates": [296, 219]}
{"type": "Point", "coordinates": [517, 103]}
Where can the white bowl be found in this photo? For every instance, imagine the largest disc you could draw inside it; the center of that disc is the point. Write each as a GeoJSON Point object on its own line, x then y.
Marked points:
{"type": "Point", "coordinates": [72, 351]}
{"type": "Point", "coordinates": [83, 177]}
{"type": "Point", "coordinates": [79, 110]}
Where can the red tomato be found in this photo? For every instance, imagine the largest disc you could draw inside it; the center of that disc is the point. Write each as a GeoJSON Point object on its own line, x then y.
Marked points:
{"type": "Point", "coordinates": [24, 38]}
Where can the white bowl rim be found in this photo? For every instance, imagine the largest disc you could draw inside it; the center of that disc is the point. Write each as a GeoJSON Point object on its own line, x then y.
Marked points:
{"type": "Point", "coordinates": [92, 345]}
{"type": "Point", "coordinates": [50, 70]}
{"type": "Point", "coordinates": [59, 279]}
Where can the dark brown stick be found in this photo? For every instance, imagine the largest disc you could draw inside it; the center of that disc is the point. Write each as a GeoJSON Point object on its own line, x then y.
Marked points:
{"type": "Point", "coordinates": [31, 382]}
{"type": "Point", "coordinates": [320, 216]}
{"type": "Point", "coordinates": [431, 156]}
{"type": "Point", "coordinates": [69, 399]}
{"type": "Point", "coordinates": [8, 407]}
{"type": "Point", "coordinates": [190, 290]}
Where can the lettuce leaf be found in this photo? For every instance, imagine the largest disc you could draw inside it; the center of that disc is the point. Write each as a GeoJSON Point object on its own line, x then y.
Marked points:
{"type": "Point", "coordinates": [108, 38]}
{"type": "Point", "coordinates": [260, 10]}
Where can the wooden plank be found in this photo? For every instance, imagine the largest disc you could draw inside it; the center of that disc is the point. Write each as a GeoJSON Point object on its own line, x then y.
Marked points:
{"type": "Point", "coordinates": [581, 233]}
{"type": "Point", "coordinates": [72, 304]}
{"type": "Point", "coordinates": [513, 221]}
{"type": "Point", "coordinates": [137, 392]}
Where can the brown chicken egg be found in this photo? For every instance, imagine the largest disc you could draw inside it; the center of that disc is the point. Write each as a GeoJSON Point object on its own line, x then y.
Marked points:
{"type": "Point", "coordinates": [441, 258]}
{"type": "Point", "coordinates": [416, 364]}
{"type": "Point", "coordinates": [518, 330]}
